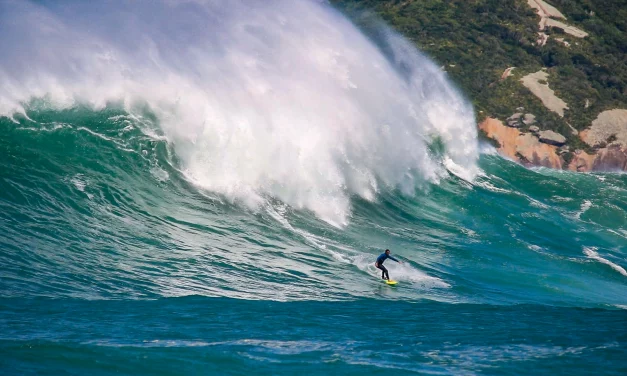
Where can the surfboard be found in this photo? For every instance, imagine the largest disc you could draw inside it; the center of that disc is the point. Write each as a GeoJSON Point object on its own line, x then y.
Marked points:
{"type": "Point", "coordinates": [391, 282]}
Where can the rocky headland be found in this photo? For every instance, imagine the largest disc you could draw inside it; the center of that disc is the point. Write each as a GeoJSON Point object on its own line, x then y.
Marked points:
{"type": "Point", "coordinates": [522, 139]}
{"type": "Point", "coordinates": [527, 140]}
{"type": "Point", "coordinates": [601, 146]}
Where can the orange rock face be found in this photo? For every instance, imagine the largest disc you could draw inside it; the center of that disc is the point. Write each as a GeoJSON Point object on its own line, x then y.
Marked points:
{"type": "Point", "coordinates": [611, 158]}
{"type": "Point", "coordinates": [581, 161]}
{"type": "Point", "coordinates": [521, 147]}
{"type": "Point", "coordinates": [526, 149]}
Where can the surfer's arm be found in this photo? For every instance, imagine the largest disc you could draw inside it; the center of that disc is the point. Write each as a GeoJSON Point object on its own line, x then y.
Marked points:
{"type": "Point", "coordinates": [392, 258]}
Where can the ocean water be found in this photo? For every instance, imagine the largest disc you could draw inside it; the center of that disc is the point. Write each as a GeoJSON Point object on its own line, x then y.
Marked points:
{"type": "Point", "coordinates": [203, 188]}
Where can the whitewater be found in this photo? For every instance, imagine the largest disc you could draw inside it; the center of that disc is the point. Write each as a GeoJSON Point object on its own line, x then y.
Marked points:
{"type": "Point", "coordinates": [198, 187]}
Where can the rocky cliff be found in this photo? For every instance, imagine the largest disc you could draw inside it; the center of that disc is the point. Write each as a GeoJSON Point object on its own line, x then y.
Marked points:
{"type": "Point", "coordinates": [606, 142]}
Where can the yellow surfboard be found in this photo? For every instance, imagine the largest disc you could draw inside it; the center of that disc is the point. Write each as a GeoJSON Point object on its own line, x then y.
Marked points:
{"type": "Point", "coordinates": [391, 282]}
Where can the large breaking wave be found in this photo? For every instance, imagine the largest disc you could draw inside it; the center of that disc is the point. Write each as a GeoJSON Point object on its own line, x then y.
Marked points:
{"type": "Point", "coordinates": [281, 98]}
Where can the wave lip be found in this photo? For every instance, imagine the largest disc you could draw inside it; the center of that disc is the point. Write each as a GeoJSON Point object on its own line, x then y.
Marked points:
{"type": "Point", "coordinates": [591, 253]}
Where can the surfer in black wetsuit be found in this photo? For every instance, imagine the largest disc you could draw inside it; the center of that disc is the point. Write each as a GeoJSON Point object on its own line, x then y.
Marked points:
{"type": "Point", "coordinates": [379, 263]}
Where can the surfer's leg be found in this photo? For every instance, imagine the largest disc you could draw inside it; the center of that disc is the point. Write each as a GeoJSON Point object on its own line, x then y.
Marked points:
{"type": "Point", "coordinates": [380, 267]}
{"type": "Point", "coordinates": [385, 274]}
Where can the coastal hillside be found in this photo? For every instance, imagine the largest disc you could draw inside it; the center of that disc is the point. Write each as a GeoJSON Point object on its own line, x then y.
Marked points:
{"type": "Point", "coordinates": [548, 80]}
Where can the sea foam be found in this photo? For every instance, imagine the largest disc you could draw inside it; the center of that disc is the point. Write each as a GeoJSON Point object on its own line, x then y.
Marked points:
{"type": "Point", "coordinates": [593, 254]}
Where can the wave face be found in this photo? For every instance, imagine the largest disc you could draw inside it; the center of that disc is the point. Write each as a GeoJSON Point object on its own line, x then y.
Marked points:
{"type": "Point", "coordinates": [259, 156]}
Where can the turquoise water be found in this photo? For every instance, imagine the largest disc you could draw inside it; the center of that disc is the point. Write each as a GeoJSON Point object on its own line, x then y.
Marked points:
{"type": "Point", "coordinates": [205, 190]}
{"type": "Point", "coordinates": [113, 263]}
{"type": "Point", "coordinates": [199, 335]}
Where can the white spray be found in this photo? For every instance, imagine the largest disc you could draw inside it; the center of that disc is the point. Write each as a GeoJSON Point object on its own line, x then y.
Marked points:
{"type": "Point", "coordinates": [277, 98]}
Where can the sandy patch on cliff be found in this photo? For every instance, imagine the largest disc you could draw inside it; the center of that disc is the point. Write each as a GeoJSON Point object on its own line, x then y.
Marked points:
{"type": "Point", "coordinates": [542, 91]}
{"type": "Point", "coordinates": [507, 73]}
{"type": "Point", "coordinates": [608, 123]}
{"type": "Point", "coordinates": [547, 12]}
{"type": "Point", "coordinates": [515, 144]}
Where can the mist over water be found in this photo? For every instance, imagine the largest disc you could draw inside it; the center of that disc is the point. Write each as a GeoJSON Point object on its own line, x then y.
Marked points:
{"type": "Point", "coordinates": [283, 99]}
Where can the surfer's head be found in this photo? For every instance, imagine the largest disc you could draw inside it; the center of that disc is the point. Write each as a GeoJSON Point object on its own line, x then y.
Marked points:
{"type": "Point", "coordinates": [387, 251]}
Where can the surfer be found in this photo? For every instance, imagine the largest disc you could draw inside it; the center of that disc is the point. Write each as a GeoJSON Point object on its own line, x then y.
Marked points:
{"type": "Point", "coordinates": [379, 263]}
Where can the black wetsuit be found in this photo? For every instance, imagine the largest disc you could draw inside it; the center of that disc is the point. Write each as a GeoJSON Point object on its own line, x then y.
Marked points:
{"type": "Point", "coordinates": [379, 264]}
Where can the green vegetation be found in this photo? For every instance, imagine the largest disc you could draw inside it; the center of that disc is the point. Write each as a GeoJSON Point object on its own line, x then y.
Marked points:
{"type": "Point", "coordinates": [476, 40]}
